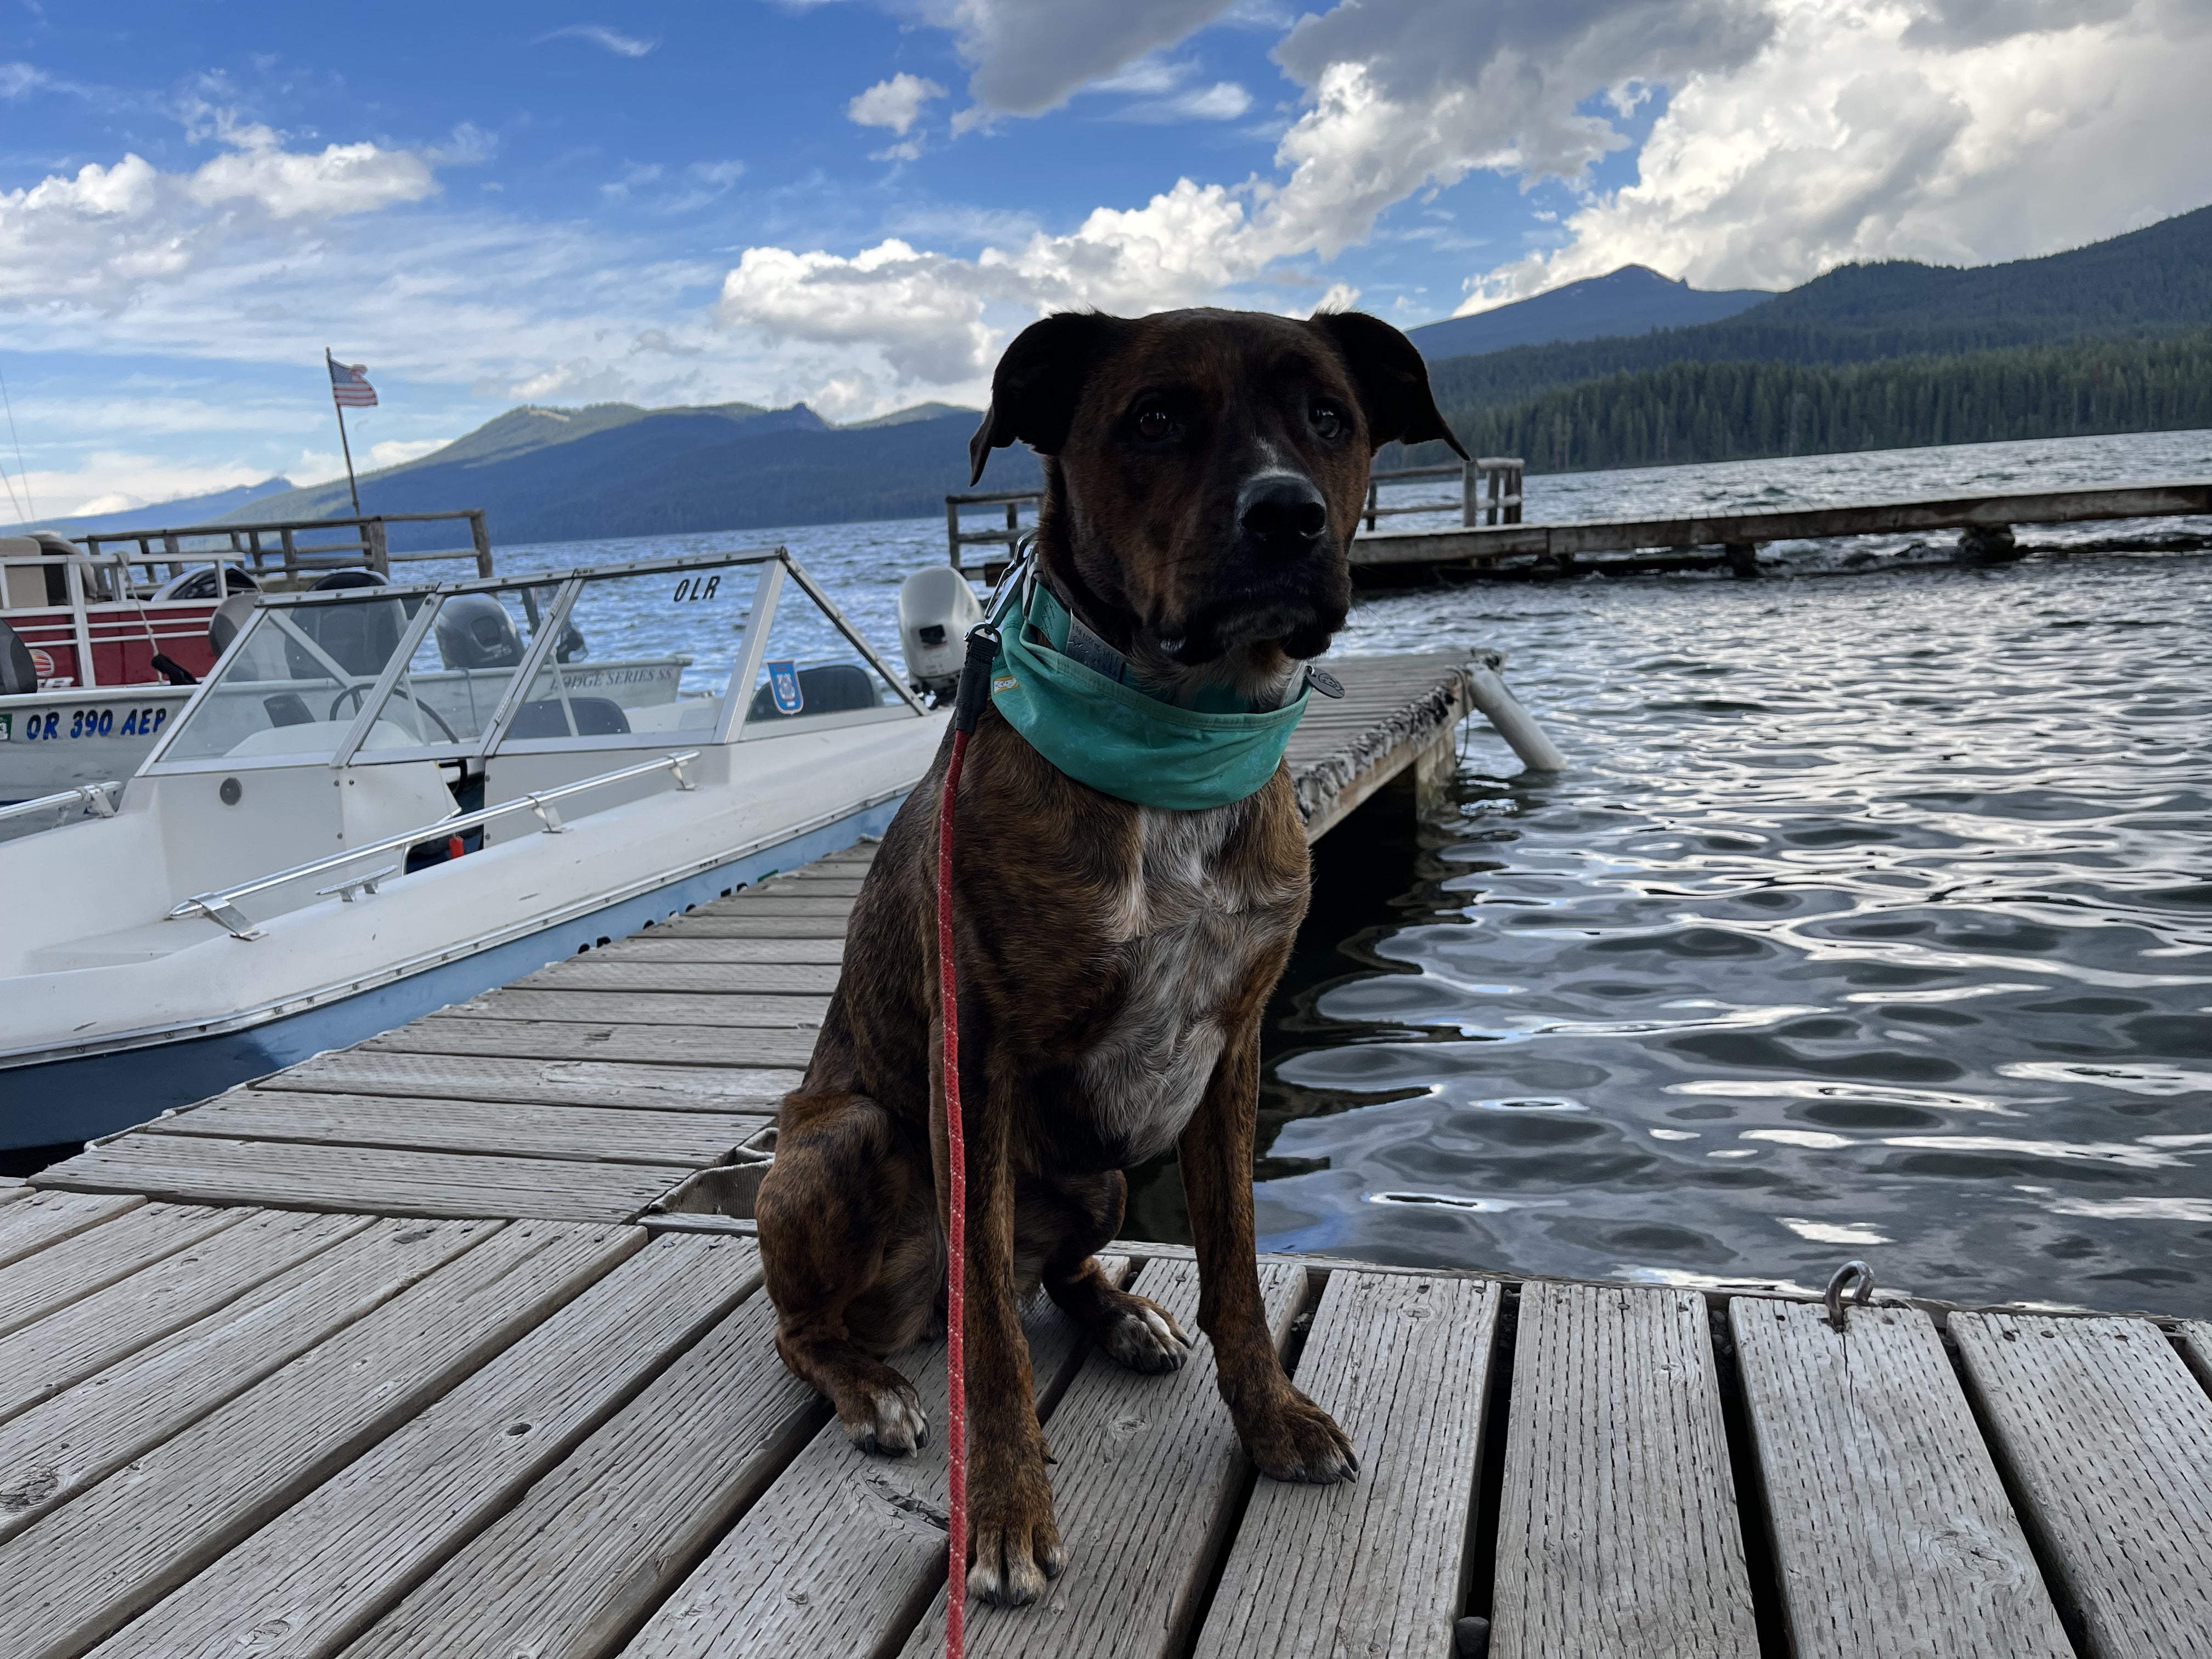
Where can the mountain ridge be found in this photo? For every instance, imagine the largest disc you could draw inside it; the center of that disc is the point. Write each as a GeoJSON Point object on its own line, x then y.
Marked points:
{"type": "Point", "coordinates": [1632, 299]}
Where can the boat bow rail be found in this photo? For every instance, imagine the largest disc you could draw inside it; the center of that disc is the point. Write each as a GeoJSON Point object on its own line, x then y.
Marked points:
{"type": "Point", "coordinates": [96, 800]}
{"type": "Point", "coordinates": [221, 906]}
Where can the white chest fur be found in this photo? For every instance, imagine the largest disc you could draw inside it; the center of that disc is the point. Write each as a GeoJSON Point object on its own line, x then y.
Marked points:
{"type": "Point", "coordinates": [1188, 931]}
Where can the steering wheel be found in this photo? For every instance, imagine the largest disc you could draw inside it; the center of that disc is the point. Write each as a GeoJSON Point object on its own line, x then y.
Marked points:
{"type": "Point", "coordinates": [358, 692]}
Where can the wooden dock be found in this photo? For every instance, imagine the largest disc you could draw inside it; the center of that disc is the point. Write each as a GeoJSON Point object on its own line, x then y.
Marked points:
{"type": "Point", "coordinates": [1733, 540]}
{"type": "Point", "coordinates": [1491, 540]}
{"type": "Point", "coordinates": [453, 1344]}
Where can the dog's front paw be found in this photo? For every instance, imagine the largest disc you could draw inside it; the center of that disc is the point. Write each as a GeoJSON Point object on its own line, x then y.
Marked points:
{"type": "Point", "coordinates": [1293, 1440]}
{"type": "Point", "coordinates": [889, 1421]}
{"type": "Point", "coordinates": [1014, 1548]}
{"type": "Point", "coordinates": [1143, 1336]}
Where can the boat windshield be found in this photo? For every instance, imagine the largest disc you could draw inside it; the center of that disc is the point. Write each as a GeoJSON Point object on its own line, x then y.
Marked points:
{"type": "Point", "coordinates": [460, 671]}
{"type": "Point", "coordinates": [640, 655]}
{"type": "Point", "coordinates": [292, 684]}
{"type": "Point", "coordinates": [648, 657]}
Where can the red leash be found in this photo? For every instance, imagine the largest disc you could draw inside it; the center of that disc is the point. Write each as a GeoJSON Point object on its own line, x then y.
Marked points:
{"type": "Point", "coordinates": [956, 1358]}
{"type": "Point", "coordinates": [968, 707]}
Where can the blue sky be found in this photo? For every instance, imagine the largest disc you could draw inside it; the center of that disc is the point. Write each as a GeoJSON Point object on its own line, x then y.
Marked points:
{"type": "Point", "coordinates": [855, 202]}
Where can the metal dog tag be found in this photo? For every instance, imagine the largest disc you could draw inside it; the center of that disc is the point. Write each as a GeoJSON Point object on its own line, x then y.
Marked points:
{"type": "Point", "coordinates": [1324, 682]}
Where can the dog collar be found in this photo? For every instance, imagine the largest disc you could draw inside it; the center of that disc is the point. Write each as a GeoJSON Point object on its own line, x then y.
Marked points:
{"type": "Point", "coordinates": [1068, 693]}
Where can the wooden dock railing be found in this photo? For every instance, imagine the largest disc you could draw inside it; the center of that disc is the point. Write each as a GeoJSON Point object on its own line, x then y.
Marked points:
{"type": "Point", "coordinates": [1489, 493]}
{"type": "Point", "coordinates": [343, 544]}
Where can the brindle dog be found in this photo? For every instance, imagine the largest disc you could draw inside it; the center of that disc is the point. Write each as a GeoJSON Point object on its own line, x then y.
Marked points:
{"type": "Point", "coordinates": [1203, 473]}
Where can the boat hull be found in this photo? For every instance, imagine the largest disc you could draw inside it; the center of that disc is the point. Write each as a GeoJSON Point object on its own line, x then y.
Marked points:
{"type": "Point", "coordinates": [51, 741]}
{"type": "Point", "coordinates": [87, 1095]}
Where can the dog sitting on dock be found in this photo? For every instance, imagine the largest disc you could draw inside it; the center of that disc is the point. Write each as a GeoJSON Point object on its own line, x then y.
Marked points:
{"type": "Point", "coordinates": [1203, 473]}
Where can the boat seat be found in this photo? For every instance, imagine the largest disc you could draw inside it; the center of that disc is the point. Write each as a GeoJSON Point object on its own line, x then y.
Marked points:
{"type": "Point", "coordinates": [596, 717]}
{"type": "Point", "coordinates": [831, 689]}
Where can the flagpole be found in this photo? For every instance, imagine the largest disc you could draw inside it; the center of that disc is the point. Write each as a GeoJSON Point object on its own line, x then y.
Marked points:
{"type": "Point", "coordinates": [328, 362]}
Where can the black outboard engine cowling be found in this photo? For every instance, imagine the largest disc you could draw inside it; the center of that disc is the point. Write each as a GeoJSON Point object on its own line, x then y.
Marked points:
{"type": "Point", "coordinates": [474, 632]}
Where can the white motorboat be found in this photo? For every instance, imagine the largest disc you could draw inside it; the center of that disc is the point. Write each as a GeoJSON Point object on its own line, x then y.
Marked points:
{"type": "Point", "coordinates": [102, 639]}
{"type": "Point", "coordinates": [387, 800]}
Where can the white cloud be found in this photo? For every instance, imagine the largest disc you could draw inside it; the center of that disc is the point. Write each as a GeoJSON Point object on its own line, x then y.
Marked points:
{"type": "Point", "coordinates": [922, 311]}
{"type": "Point", "coordinates": [1030, 57]}
{"type": "Point", "coordinates": [395, 452]}
{"type": "Point", "coordinates": [1402, 95]}
{"type": "Point", "coordinates": [896, 103]}
{"type": "Point", "coordinates": [112, 480]}
{"type": "Point", "coordinates": [926, 312]}
{"type": "Point", "coordinates": [107, 235]}
{"type": "Point", "coordinates": [598, 35]}
{"type": "Point", "coordinates": [287, 184]}
{"type": "Point", "coordinates": [1951, 130]}
{"type": "Point", "coordinates": [1224, 100]}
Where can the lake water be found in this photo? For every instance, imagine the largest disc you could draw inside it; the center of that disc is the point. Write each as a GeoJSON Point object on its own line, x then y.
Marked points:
{"type": "Point", "coordinates": [1874, 920]}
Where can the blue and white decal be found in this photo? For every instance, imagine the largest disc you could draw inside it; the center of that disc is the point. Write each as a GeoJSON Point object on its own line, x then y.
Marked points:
{"type": "Point", "coordinates": [783, 685]}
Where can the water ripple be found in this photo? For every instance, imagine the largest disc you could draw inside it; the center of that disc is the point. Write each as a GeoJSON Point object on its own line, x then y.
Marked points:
{"type": "Point", "coordinates": [1876, 919]}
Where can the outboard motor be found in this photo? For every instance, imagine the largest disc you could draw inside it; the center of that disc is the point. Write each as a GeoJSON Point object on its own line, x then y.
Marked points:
{"type": "Point", "coordinates": [936, 609]}
{"type": "Point", "coordinates": [229, 620]}
{"type": "Point", "coordinates": [474, 632]}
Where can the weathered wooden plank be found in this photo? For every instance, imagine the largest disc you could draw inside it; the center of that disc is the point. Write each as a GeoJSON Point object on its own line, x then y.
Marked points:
{"type": "Point", "coordinates": [811, 883]}
{"type": "Point", "coordinates": [598, 1541]}
{"type": "Point", "coordinates": [1160, 1448]}
{"type": "Point", "coordinates": [73, 1342]}
{"type": "Point", "coordinates": [650, 1008]}
{"type": "Point", "coordinates": [753, 903]}
{"type": "Point", "coordinates": [658, 946]}
{"type": "Point", "coordinates": [630, 1087]}
{"type": "Point", "coordinates": [751, 925]}
{"type": "Point", "coordinates": [503, 1128]}
{"type": "Point", "coordinates": [318, 1573]}
{"type": "Point", "coordinates": [546, 1039]}
{"type": "Point", "coordinates": [83, 1571]}
{"type": "Point", "coordinates": [1892, 1531]}
{"type": "Point", "coordinates": [44, 1218]}
{"type": "Point", "coordinates": [1618, 1533]}
{"type": "Point", "coordinates": [2195, 1336]}
{"type": "Point", "coordinates": [836, 1553]}
{"type": "Point", "coordinates": [91, 1261]}
{"type": "Point", "coordinates": [602, 972]}
{"type": "Point", "coordinates": [2108, 1440]}
{"type": "Point", "coordinates": [295, 1175]}
{"type": "Point", "coordinates": [56, 1450]}
{"type": "Point", "coordinates": [1378, 1565]}
{"type": "Point", "coordinates": [13, 1187]}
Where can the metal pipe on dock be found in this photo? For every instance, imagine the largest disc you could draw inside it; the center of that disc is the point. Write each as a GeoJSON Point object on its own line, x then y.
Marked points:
{"type": "Point", "coordinates": [1494, 700]}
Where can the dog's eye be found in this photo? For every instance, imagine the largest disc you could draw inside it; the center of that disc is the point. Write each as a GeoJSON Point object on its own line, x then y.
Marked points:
{"type": "Point", "coordinates": [1327, 420]}
{"type": "Point", "coordinates": [1154, 424]}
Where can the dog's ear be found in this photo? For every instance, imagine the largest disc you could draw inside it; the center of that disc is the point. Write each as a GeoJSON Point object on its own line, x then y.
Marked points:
{"type": "Point", "coordinates": [1037, 383]}
{"type": "Point", "coordinates": [1393, 381]}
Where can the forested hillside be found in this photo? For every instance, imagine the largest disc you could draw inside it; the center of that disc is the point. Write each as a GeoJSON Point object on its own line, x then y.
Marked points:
{"type": "Point", "coordinates": [613, 470]}
{"type": "Point", "coordinates": [1730, 411]}
{"type": "Point", "coordinates": [2151, 281]}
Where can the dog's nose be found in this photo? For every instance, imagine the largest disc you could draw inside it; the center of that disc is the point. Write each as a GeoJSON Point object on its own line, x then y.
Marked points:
{"type": "Point", "coordinates": [1282, 513]}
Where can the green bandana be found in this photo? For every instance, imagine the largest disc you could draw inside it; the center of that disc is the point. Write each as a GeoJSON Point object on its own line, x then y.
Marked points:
{"type": "Point", "coordinates": [1119, 740]}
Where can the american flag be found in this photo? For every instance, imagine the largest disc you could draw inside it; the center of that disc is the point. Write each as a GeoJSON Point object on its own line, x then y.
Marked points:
{"type": "Point", "coordinates": [349, 387]}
